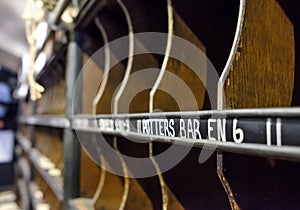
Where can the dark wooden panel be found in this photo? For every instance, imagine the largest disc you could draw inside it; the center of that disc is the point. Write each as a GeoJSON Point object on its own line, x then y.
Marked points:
{"type": "Point", "coordinates": [262, 74]}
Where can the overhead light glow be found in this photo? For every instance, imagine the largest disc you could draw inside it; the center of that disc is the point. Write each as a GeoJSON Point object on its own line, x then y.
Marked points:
{"type": "Point", "coordinates": [39, 3]}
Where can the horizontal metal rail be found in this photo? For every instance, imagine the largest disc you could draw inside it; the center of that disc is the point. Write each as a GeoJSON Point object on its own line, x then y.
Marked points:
{"type": "Point", "coordinates": [46, 120]}
{"type": "Point", "coordinates": [257, 112]}
{"type": "Point", "coordinates": [261, 132]}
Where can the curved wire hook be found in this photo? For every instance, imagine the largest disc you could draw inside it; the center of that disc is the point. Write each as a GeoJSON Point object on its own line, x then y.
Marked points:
{"type": "Point", "coordinates": [153, 91]}
{"type": "Point", "coordinates": [221, 100]}
{"type": "Point", "coordinates": [119, 94]}
{"type": "Point", "coordinates": [96, 101]}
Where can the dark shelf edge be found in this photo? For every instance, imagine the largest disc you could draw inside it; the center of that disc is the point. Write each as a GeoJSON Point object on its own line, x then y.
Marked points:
{"type": "Point", "coordinates": [56, 188]}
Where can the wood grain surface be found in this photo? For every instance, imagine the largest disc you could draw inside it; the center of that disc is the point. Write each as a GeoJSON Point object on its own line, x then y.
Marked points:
{"type": "Point", "coordinates": [262, 74]}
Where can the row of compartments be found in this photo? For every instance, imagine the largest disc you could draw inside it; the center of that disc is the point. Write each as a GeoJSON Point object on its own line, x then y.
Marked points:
{"type": "Point", "coordinates": [260, 183]}
{"type": "Point", "coordinates": [253, 44]}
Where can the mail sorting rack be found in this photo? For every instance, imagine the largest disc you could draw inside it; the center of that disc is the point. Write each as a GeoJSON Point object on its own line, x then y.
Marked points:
{"type": "Point", "coordinates": [41, 139]}
{"type": "Point", "coordinates": [241, 153]}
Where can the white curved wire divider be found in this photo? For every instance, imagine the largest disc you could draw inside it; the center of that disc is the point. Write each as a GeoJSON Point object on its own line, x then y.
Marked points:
{"type": "Point", "coordinates": [96, 101]}
{"type": "Point", "coordinates": [118, 96]}
{"type": "Point", "coordinates": [235, 45]}
{"type": "Point", "coordinates": [153, 91]}
{"type": "Point", "coordinates": [221, 99]}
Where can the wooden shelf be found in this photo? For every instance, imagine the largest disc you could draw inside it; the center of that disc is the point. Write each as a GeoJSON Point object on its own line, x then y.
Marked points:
{"type": "Point", "coordinates": [55, 183]}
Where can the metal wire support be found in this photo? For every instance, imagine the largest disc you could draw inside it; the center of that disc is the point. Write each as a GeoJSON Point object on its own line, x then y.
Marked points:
{"type": "Point", "coordinates": [96, 101]}
{"type": "Point", "coordinates": [118, 96]}
{"type": "Point", "coordinates": [225, 183]}
{"type": "Point", "coordinates": [222, 103]}
{"type": "Point", "coordinates": [165, 198]}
